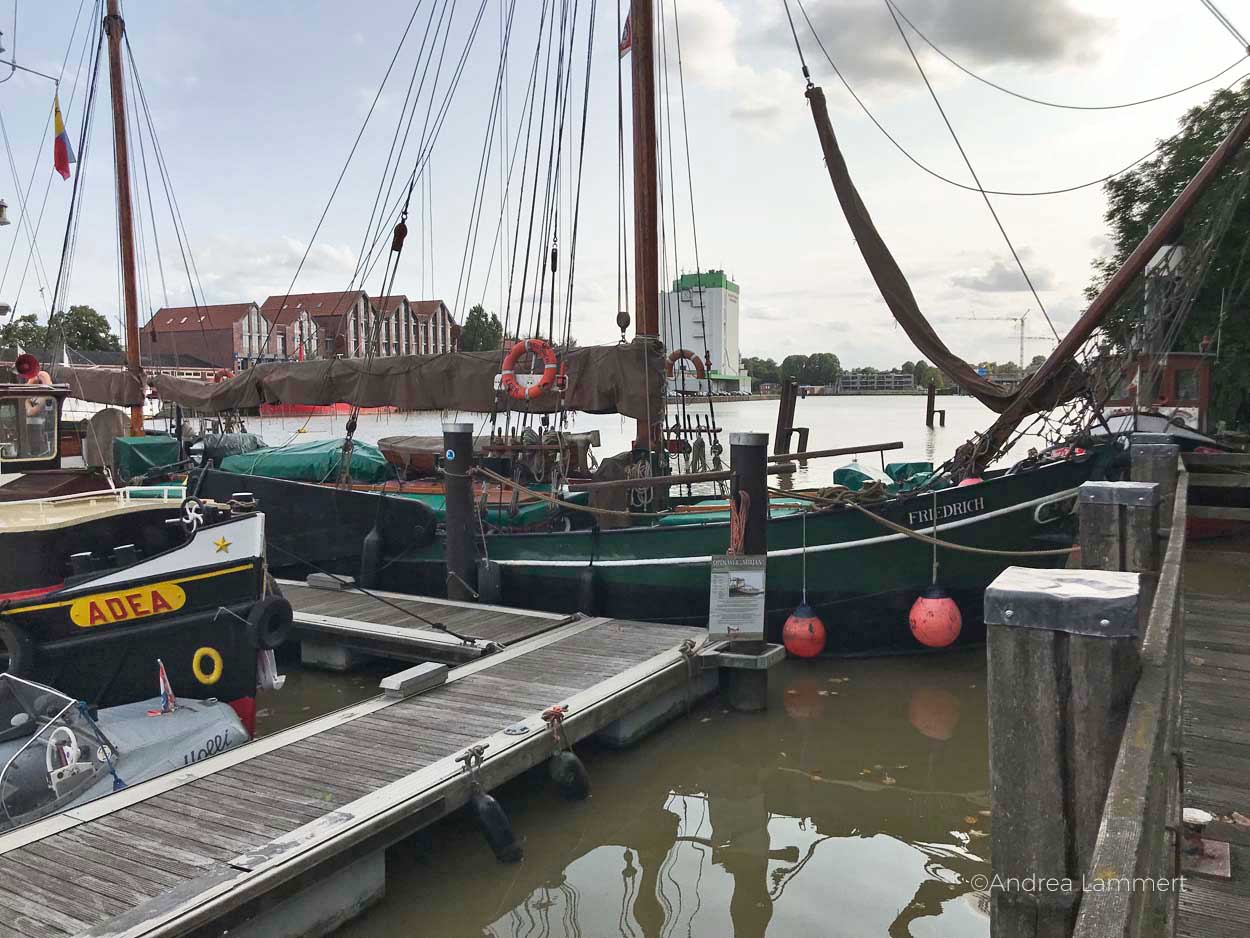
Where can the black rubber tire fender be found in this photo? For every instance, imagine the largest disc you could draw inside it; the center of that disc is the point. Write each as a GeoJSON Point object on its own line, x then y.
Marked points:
{"type": "Point", "coordinates": [19, 648]}
{"type": "Point", "coordinates": [270, 621]}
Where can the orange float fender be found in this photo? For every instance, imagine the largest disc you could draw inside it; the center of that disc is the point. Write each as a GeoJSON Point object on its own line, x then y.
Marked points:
{"type": "Point", "coordinates": [700, 370]}
{"type": "Point", "coordinates": [508, 379]}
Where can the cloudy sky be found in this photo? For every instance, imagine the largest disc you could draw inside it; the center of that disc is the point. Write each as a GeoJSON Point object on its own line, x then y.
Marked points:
{"type": "Point", "coordinates": [256, 107]}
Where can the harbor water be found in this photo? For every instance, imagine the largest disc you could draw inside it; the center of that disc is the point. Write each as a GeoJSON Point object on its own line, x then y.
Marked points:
{"type": "Point", "coordinates": [834, 421]}
{"type": "Point", "coordinates": [857, 805]}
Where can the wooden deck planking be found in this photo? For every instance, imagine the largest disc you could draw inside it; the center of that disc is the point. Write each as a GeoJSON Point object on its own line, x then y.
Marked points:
{"type": "Point", "coordinates": [405, 625]}
{"type": "Point", "coordinates": [228, 810]}
{"type": "Point", "coordinates": [1217, 754]}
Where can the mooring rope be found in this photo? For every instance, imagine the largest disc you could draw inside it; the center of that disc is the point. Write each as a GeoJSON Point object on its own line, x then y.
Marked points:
{"type": "Point", "coordinates": [925, 538]}
{"type": "Point", "coordinates": [572, 506]}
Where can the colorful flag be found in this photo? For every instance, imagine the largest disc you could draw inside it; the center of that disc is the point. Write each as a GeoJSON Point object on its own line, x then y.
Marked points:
{"type": "Point", "coordinates": [62, 152]}
{"type": "Point", "coordinates": [169, 703]}
{"type": "Point", "coordinates": [627, 34]}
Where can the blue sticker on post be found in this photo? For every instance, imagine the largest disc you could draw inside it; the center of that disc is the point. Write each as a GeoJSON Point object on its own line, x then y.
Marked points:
{"type": "Point", "coordinates": [451, 454]}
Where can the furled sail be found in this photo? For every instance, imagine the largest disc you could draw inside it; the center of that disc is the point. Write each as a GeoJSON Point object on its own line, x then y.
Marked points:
{"type": "Point", "coordinates": [897, 293]}
{"type": "Point", "coordinates": [121, 388]}
{"type": "Point", "coordinates": [625, 379]}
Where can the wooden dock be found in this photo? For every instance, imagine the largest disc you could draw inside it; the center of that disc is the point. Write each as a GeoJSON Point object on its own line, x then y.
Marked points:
{"type": "Point", "coordinates": [287, 835]}
{"type": "Point", "coordinates": [1217, 735]}
{"type": "Point", "coordinates": [407, 628]}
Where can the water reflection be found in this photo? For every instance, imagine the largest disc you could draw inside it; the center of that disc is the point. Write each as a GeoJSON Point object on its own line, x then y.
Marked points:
{"type": "Point", "coordinates": [853, 807]}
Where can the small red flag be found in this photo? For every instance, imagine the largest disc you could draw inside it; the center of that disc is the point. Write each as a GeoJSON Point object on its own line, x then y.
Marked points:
{"type": "Point", "coordinates": [627, 33]}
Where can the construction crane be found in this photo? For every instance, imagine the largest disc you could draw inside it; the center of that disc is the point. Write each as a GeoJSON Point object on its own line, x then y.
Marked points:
{"type": "Point", "coordinates": [1019, 321]}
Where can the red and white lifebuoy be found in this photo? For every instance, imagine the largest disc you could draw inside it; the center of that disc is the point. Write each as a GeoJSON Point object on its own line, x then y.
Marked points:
{"type": "Point", "coordinates": [37, 405]}
{"type": "Point", "coordinates": [508, 378]}
{"type": "Point", "coordinates": [221, 374]}
{"type": "Point", "coordinates": [700, 370]}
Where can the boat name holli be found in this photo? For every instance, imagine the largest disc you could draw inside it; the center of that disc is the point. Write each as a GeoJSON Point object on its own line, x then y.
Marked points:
{"type": "Point", "coordinates": [925, 515]}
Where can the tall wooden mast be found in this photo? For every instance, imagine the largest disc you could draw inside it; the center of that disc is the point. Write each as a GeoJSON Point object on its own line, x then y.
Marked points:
{"type": "Point", "coordinates": [115, 28]}
{"type": "Point", "coordinates": [646, 214]}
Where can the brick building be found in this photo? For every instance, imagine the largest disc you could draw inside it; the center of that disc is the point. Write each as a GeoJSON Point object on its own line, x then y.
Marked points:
{"type": "Point", "coordinates": [212, 334]}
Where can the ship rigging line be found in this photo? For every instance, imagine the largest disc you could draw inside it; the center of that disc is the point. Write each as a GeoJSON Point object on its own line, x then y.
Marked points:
{"type": "Point", "coordinates": [24, 200]}
{"type": "Point", "coordinates": [1055, 104]}
{"type": "Point", "coordinates": [946, 179]}
{"type": "Point", "coordinates": [968, 162]}
{"type": "Point", "coordinates": [347, 162]}
{"type": "Point", "coordinates": [1227, 24]}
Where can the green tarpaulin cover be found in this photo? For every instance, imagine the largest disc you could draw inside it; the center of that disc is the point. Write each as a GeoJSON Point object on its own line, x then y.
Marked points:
{"type": "Point", "coordinates": [907, 471]}
{"type": "Point", "coordinates": [855, 475]}
{"type": "Point", "coordinates": [313, 461]}
{"type": "Point", "coordinates": [135, 456]}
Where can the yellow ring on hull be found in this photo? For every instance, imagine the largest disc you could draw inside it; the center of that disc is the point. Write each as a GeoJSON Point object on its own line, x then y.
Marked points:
{"type": "Point", "coordinates": [207, 678]}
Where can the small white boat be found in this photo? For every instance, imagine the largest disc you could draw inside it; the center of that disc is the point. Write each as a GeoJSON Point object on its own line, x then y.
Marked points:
{"type": "Point", "coordinates": [55, 754]}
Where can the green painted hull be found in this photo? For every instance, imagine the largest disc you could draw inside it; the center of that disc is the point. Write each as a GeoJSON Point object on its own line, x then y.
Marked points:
{"type": "Point", "coordinates": [861, 577]}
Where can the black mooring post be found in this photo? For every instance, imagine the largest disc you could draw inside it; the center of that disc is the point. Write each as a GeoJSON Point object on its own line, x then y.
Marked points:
{"type": "Point", "coordinates": [929, 404]}
{"type": "Point", "coordinates": [748, 458]}
{"type": "Point", "coordinates": [461, 546]}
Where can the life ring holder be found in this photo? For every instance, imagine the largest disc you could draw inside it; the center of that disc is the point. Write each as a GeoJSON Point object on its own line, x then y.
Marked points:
{"type": "Point", "coordinates": [508, 380]}
{"type": "Point", "coordinates": [700, 369]}
{"type": "Point", "coordinates": [207, 678]}
{"type": "Point", "coordinates": [51, 748]}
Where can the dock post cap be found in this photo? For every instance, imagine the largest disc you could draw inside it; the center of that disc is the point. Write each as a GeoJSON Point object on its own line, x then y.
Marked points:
{"type": "Point", "coordinates": [1152, 448]}
{"type": "Point", "coordinates": [747, 438]}
{"type": "Point", "coordinates": [1145, 494]}
{"type": "Point", "coordinates": [1099, 603]}
{"type": "Point", "coordinates": [457, 427]}
{"type": "Point", "coordinates": [1151, 438]}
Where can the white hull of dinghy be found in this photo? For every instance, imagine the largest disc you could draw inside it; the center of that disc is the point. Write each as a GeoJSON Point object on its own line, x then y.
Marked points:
{"type": "Point", "coordinates": [145, 744]}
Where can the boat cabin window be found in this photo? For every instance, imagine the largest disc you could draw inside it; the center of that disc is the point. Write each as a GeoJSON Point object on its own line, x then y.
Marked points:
{"type": "Point", "coordinates": [28, 428]}
{"type": "Point", "coordinates": [1186, 388]}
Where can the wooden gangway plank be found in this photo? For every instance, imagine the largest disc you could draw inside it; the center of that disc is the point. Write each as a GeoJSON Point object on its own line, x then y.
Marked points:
{"type": "Point", "coordinates": [396, 625]}
{"type": "Point", "coordinates": [199, 845]}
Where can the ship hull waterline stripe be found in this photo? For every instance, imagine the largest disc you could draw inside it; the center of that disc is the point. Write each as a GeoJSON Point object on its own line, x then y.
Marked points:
{"type": "Point", "coordinates": [86, 594]}
{"type": "Point", "coordinates": [791, 551]}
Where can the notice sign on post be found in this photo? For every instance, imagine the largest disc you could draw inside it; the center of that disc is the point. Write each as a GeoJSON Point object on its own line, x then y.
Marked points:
{"type": "Point", "coordinates": [736, 609]}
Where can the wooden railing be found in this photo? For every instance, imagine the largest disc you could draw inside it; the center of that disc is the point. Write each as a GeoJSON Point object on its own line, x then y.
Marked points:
{"type": "Point", "coordinates": [1132, 884]}
{"type": "Point", "coordinates": [1085, 671]}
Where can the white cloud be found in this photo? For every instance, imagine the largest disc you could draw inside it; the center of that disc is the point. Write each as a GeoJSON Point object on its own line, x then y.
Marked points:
{"type": "Point", "coordinates": [1003, 276]}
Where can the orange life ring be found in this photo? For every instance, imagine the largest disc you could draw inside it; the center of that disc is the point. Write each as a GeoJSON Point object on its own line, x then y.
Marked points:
{"type": "Point", "coordinates": [221, 374]}
{"type": "Point", "coordinates": [37, 405]}
{"type": "Point", "coordinates": [700, 371]}
{"type": "Point", "coordinates": [542, 349]}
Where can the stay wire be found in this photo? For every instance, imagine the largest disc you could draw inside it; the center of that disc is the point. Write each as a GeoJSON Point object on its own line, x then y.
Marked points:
{"type": "Point", "coordinates": [1227, 24]}
{"type": "Point", "coordinates": [1055, 104]}
{"type": "Point", "coordinates": [25, 199]}
{"type": "Point", "coordinates": [968, 162]}
{"type": "Point", "coordinates": [1015, 193]}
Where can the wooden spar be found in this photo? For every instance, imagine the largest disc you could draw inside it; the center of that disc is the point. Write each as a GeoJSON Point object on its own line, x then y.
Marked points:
{"type": "Point", "coordinates": [659, 482]}
{"type": "Point", "coordinates": [646, 213]}
{"type": "Point", "coordinates": [116, 27]}
{"type": "Point", "coordinates": [839, 451]}
{"type": "Point", "coordinates": [1136, 262]}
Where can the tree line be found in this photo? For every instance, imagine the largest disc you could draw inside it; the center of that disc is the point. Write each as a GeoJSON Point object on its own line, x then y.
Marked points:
{"type": "Point", "coordinates": [83, 329]}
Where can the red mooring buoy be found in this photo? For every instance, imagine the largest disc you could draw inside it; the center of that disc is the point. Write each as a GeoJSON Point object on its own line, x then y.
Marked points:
{"type": "Point", "coordinates": [804, 633]}
{"type": "Point", "coordinates": [971, 480]}
{"type": "Point", "coordinates": [934, 618]}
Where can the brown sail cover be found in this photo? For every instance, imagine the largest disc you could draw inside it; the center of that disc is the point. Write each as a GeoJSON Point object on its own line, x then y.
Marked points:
{"type": "Point", "coordinates": [897, 293]}
{"type": "Point", "coordinates": [627, 379]}
{"type": "Point", "coordinates": [121, 388]}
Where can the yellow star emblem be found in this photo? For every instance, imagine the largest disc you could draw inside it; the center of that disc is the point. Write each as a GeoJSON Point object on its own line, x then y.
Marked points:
{"type": "Point", "coordinates": [222, 545]}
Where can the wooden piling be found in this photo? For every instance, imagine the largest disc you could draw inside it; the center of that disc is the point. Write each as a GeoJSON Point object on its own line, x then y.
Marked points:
{"type": "Point", "coordinates": [461, 543]}
{"type": "Point", "coordinates": [930, 408]}
{"type": "Point", "coordinates": [1157, 462]}
{"type": "Point", "coordinates": [1064, 661]}
{"type": "Point", "coordinates": [1039, 623]}
{"type": "Point", "coordinates": [785, 415]}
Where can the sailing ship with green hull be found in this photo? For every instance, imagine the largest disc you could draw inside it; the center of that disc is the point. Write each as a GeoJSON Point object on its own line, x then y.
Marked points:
{"type": "Point", "coordinates": [861, 559]}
